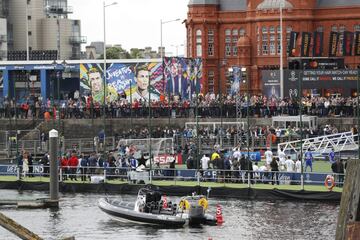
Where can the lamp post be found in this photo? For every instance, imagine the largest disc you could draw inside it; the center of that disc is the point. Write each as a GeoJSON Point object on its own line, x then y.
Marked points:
{"type": "Point", "coordinates": [358, 109]}
{"type": "Point", "coordinates": [282, 5]}
{"type": "Point", "coordinates": [162, 56]}
{"type": "Point", "coordinates": [161, 34]}
{"type": "Point", "coordinates": [104, 69]}
{"type": "Point", "coordinates": [220, 65]}
{"type": "Point", "coordinates": [177, 49]}
{"type": "Point", "coordinates": [244, 72]}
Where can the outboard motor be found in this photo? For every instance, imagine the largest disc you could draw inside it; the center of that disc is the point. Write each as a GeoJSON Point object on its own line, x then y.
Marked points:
{"type": "Point", "coordinates": [196, 215]}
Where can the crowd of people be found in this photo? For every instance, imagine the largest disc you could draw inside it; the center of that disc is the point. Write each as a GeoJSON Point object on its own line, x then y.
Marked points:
{"type": "Point", "coordinates": [208, 106]}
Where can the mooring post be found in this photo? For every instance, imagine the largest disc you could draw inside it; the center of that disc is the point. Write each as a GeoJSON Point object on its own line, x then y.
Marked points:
{"type": "Point", "coordinates": [349, 213]}
{"type": "Point", "coordinates": [54, 178]}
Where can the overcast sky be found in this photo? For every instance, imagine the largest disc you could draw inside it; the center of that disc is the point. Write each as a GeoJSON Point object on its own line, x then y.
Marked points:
{"type": "Point", "coordinates": [133, 23]}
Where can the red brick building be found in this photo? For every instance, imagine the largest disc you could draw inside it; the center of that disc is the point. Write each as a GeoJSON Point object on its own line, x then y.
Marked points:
{"type": "Point", "coordinates": [226, 33]}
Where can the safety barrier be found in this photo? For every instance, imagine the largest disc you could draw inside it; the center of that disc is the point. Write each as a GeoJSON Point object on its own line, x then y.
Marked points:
{"type": "Point", "coordinates": [103, 174]}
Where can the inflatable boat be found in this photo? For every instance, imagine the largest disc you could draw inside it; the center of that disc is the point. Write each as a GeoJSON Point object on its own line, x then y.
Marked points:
{"type": "Point", "coordinates": [152, 208]}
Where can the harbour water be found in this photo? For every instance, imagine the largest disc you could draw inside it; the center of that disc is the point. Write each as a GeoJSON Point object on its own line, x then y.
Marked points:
{"type": "Point", "coordinates": [80, 217]}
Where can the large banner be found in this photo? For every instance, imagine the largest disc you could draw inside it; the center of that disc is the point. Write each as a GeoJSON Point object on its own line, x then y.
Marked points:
{"type": "Point", "coordinates": [348, 43]}
{"type": "Point", "coordinates": [183, 76]}
{"type": "Point", "coordinates": [92, 81]}
{"type": "Point", "coordinates": [318, 44]}
{"type": "Point", "coordinates": [305, 44]}
{"type": "Point", "coordinates": [135, 81]}
{"type": "Point", "coordinates": [271, 83]}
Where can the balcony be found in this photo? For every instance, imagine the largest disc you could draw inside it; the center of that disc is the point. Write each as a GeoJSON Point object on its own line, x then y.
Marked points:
{"type": "Point", "coordinates": [59, 10]}
{"type": "Point", "coordinates": [77, 40]}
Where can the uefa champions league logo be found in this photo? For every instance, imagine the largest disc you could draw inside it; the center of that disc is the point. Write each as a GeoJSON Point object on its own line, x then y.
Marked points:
{"type": "Point", "coordinates": [292, 76]}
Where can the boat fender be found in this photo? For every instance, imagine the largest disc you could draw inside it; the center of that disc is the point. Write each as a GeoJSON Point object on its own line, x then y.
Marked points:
{"type": "Point", "coordinates": [184, 204]}
{"type": "Point", "coordinates": [203, 202]}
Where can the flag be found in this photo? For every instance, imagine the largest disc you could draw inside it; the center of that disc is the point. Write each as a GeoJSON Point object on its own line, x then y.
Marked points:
{"type": "Point", "coordinates": [318, 44]}
{"type": "Point", "coordinates": [334, 41]}
{"type": "Point", "coordinates": [357, 44]}
{"type": "Point", "coordinates": [305, 44]}
{"type": "Point", "coordinates": [348, 43]}
{"type": "Point", "coordinates": [292, 44]}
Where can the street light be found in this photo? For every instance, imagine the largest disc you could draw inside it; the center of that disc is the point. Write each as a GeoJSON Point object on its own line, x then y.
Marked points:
{"type": "Point", "coordinates": [282, 5]}
{"type": "Point", "coordinates": [177, 48]}
{"type": "Point", "coordinates": [104, 69]}
{"type": "Point", "coordinates": [161, 33]}
{"type": "Point", "coordinates": [162, 60]}
{"type": "Point", "coordinates": [244, 73]}
{"type": "Point", "coordinates": [220, 65]}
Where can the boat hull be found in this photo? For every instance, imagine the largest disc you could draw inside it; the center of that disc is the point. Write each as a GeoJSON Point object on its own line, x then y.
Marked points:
{"type": "Point", "coordinates": [126, 214]}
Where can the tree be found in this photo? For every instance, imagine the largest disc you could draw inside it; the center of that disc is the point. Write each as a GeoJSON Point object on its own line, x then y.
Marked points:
{"type": "Point", "coordinates": [135, 53]}
{"type": "Point", "coordinates": [116, 53]}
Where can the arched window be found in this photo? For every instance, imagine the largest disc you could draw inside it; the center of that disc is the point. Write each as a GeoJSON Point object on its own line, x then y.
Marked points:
{"type": "Point", "coordinates": [265, 38]}
{"type": "Point", "coordinates": [227, 42]}
{"type": "Point", "coordinates": [334, 28]}
{"type": "Point", "coordinates": [243, 32]}
{"type": "Point", "coordinates": [211, 42]}
{"type": "Point", "coordinates": [211, 80]}
{"type": "Point", "coordinates": [198, 43]}
{"type": "Point", "coordinates": [320, 29]}
{"type": "Point", "coordinates": [357, 28]}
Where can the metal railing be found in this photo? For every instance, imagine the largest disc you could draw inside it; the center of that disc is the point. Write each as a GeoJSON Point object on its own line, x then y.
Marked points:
{"type": "Point", "coordinates": [145, 176]}
{"type": "Point", "coordinates": [323, 144]}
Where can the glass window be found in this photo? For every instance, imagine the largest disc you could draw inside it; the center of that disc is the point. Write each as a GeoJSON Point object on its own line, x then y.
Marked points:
{"type": "Point", "coordinates": [211, 80]}
{"type": "Point", "coordinates": [243, 32]}
{"type": "Point", "coordinates": [357, 28]}
{"type": "Point", "coordinates": [210, 42]}
{"type": "Point", "coordinates": [235, 32]}
{"type": "Point", "coordinates": [272, 29]}
{"type": "Point", "coordinates": [265, 48]}
{"type": "Point", "coordinates": [342, 29]}
{"type": "Point", "coordinates": [264, 30]}
{"type": "Point", "coordinates": [320, 29]}
{"type": "Point", "coordinates": [198, 43]}
{"type": "Point", "coordinates": [272, 48]}
{"type": "Point", "coordinates": [334, 28]}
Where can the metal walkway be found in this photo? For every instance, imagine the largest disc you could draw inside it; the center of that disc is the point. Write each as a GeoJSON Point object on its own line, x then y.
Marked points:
{"type": "Point", "coordinates": [323, 144]}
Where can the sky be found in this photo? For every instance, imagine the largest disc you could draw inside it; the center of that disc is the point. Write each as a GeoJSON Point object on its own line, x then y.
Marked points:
{"type": "Point", "coordinates": [133, 23]}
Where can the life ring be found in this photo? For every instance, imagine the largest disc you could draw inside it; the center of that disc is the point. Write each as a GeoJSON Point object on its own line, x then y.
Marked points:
{"type": "Point", "coordinates": [203, 202]}
{"type": "Point", "coordinates": [329, 182]}
{"type": "Point", "coordinates": [184, 204]}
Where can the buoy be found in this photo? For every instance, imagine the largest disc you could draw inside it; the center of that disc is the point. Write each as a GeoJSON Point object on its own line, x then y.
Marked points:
{"type": "Point", "coordinates": [165, 205]}
{"type": "Point", "coordinates": [219, 217]}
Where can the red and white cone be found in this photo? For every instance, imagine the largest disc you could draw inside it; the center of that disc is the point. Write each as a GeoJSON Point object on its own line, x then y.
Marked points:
{"type": "Point", "coordinates": [219, 217]}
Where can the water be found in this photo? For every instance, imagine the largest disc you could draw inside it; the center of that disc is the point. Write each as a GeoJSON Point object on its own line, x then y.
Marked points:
{"type": "Point", "coordinates": [79, 216]}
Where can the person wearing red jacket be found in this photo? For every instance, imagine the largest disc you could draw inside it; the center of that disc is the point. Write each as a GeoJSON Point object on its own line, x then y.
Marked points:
{"type": "Point", "coordinates": [73, 164]}
{"type": "Point", "coordinates": [64, 167]}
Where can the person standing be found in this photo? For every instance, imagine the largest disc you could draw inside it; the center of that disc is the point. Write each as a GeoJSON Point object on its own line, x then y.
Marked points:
{"type": "Point", "coordinates": [73, 164]}
{"type": "Point", "coordinates": [308, 160]}
{"type": "Point", "coordinates": [332, 156]}
{"type": "Point", "coordinates": [84, 163]}
{"type": "Point", "coordinates": [25, 164]}
{"type": "Point", "coordinates": [268, 156]}
{"type": "Point", "coordinates": [282, 159]}
{"type": "Point", "coordinates": [298, 166]}
{"type": "Point", "coordinates": [64, 167]}
{"type": "Point", "coordinates": [274, 170]}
